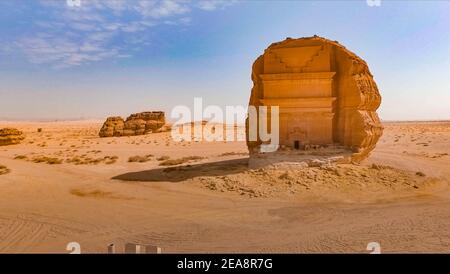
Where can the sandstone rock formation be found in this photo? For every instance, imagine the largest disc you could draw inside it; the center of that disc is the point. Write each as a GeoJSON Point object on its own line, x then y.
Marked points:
{"type": "Point", "coordinates": [143, 123]}
{"type": "Point", "coordinates": [325, 93]}
{"type": "Point", "coordinates": [135, 124]}
{"type": "Point", "coordinates": [10, 136]}
{"type": "Point", "coordinates": [113, 126]}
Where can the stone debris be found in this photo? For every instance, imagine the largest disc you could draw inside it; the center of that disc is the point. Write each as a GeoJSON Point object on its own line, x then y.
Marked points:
{"type": "Point", "coordinates": [326, 180]}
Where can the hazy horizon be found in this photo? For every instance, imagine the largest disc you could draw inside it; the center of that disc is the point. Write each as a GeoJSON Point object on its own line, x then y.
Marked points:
{"type": "Point", "coordinates": [114, 58]}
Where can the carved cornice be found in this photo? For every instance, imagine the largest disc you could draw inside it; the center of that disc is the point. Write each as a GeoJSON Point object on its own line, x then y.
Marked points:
{"type": "Point", "coordinates": [297, 76]}
{"type": "Point", "coordinates": [305, 103]}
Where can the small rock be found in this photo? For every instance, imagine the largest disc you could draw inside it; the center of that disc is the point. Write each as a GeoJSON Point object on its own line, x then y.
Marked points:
{"type": "Point", "coordinates": [421, 174]}
{"type": "Point", "coordinates": [317, 163]}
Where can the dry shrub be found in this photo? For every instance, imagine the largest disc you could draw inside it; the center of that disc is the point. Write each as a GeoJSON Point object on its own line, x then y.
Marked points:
{"type": "Point", "coordinates": [20, 157]}
{"type": "Point", "coordinates": [233, 154]}
{"type": "Point", "coordinates": [173, 162]}
{"type": "Point", "coordinates": [163, 158]}
{"type": "Point", "coordinates": [109, 160]}
{"type": "Point", "coordinates": [140, 159]}
{"type": "Point", "coordinates": [93, 193]}
{"type": "Point", "coordinates": [4, 170]}
{"type": "Point", "coordinates": [193, 158]}
{"type": "Point", "coordinates": [47, 160]}
{"type": "Point", "coordinates": [96, 193]}
{"type": "Point", "coordinates": [83, 160]}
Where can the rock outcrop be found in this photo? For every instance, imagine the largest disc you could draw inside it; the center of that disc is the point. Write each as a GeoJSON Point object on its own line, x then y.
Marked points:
{"type": "Point", "coordinates": [325, 93]}
{"type": "Point", "coordinates": [143, 123]}
{"type": "Point", "coordinates": [10, 136]}
{"type": "Point", "coordinates": [136, 124]}
{"type": "Point", "coordinates": [113, 127]}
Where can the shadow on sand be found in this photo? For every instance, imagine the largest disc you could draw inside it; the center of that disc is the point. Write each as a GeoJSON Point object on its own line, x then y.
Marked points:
{"type": "Point", "coordinates": [181, 173]}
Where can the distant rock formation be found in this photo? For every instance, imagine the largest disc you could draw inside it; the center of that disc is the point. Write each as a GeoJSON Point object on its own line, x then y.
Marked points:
{"type": "Point", "coordinates": [325, 93]}
{"type": "Point", "coordinates": [136, 124]}
{"type": "Point", "coordinates": [143, 123]}
{"type": "Point", "coordinates": [113, 126]}
{"type": "Point", "coordinates": [10, 136]}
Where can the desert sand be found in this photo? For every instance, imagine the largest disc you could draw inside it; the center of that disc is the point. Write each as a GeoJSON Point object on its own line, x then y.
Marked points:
{"type": "Point", "coordinates": [65, 184]}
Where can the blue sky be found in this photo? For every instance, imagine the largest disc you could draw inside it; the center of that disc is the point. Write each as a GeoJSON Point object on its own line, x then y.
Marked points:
{"type": "Point", "coordinates": [59, 61]}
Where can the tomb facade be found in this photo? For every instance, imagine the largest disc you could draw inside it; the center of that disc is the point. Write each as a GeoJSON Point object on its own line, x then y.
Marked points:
{"type": "Point", "coordinates": [326, 96]}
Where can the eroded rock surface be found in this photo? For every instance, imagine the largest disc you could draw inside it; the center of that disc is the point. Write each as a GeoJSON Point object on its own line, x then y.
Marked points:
{"type": "Point", "coordinates": [325, 93]}
{"type": "Point", "coordinates": [113, 126]}
{"type": "Point", "coordinates": [135, 124]}
{"type": "Point", "coordinates": [10, 136]}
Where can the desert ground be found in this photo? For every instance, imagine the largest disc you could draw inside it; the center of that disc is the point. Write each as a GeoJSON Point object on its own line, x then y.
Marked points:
{"type": "Point", "coordinates": [65, 184]}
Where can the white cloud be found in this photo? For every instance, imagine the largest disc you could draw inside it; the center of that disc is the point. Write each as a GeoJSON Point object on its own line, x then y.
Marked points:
{"type": "Point", "coordinates": [210, 5]}
{"type": "Point", "coordinates": [159, 9]}
{"type": "Point", "coordinates": [64, 52]}
{"type": "Point", "coordinates": [74, 35]}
